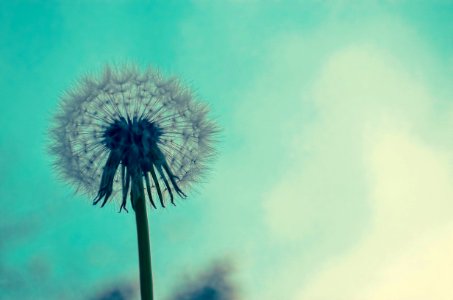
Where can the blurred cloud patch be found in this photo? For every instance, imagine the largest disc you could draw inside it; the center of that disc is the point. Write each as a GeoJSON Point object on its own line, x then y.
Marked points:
{"type": "Point", "coordinates": [214, 283]}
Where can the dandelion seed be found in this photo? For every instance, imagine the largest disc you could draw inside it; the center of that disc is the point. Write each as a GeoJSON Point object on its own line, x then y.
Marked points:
{"type": "Point", "coordinates": [112, 123]}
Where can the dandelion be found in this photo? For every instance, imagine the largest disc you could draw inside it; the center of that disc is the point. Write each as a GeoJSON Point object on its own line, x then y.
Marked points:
{"type": "Point", "coordinates": [132, 135]}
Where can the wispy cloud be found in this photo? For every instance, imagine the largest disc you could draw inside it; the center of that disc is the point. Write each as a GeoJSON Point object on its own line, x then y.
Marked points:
{"type": "Point", "coordinates": [370, 182]}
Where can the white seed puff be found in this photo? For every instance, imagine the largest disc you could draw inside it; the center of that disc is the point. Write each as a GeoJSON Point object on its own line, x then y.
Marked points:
{"type": "Point", "coordinates": [129, 126]}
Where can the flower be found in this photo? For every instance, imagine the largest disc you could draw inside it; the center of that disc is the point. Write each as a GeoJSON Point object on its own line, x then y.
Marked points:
{"type": "Point", "coordinates": [131, 126]}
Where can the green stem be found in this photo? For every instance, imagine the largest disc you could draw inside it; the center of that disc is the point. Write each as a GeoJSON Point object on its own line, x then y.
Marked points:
{"type": "Point", "coordinates": [144, 251]}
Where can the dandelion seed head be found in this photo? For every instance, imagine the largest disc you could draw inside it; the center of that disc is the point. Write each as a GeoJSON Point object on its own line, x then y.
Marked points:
{"type": "Point", "coordinates": [129, 125]}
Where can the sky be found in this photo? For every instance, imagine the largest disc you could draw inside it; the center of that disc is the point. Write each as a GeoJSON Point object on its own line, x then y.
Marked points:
{"type": "Point", "coordinates": [334, 173]}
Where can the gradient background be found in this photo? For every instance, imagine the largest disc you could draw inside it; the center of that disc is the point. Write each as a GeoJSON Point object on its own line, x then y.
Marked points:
{"type": "Point", "coordinates": [334, 178]}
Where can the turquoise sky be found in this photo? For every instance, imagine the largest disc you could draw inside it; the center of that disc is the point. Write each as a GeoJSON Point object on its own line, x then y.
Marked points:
{"type": "Point", "coordinates": [334, 178]}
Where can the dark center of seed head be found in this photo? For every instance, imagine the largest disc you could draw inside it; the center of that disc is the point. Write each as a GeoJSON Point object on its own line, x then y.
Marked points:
{"type": "Point", "coordinates": [125, 135]}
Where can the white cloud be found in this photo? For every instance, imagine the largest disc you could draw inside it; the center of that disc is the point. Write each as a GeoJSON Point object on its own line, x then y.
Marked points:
{"type": "Point", "coordinates": [359, 90]}
{"type": "Point", "coordinates": [370, 146]}
{"type": "Point", "coordinates": [422, 270]}
{"type": "Point", "coordinates": [406, 254]}
{"type": "Point", "coordinates": [418, 270]}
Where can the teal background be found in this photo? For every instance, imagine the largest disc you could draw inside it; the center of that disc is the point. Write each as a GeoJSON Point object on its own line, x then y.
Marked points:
{"type": "Point", "coordinates": [258, 65]}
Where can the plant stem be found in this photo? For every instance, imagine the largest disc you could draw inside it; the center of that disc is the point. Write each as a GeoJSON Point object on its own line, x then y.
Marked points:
{"type": "Point", "coordinates": [144, 251]}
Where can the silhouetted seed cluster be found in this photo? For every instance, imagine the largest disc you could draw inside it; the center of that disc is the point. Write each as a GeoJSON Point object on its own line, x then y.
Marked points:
{"type": "Point", "coordinates": [132, 130]}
